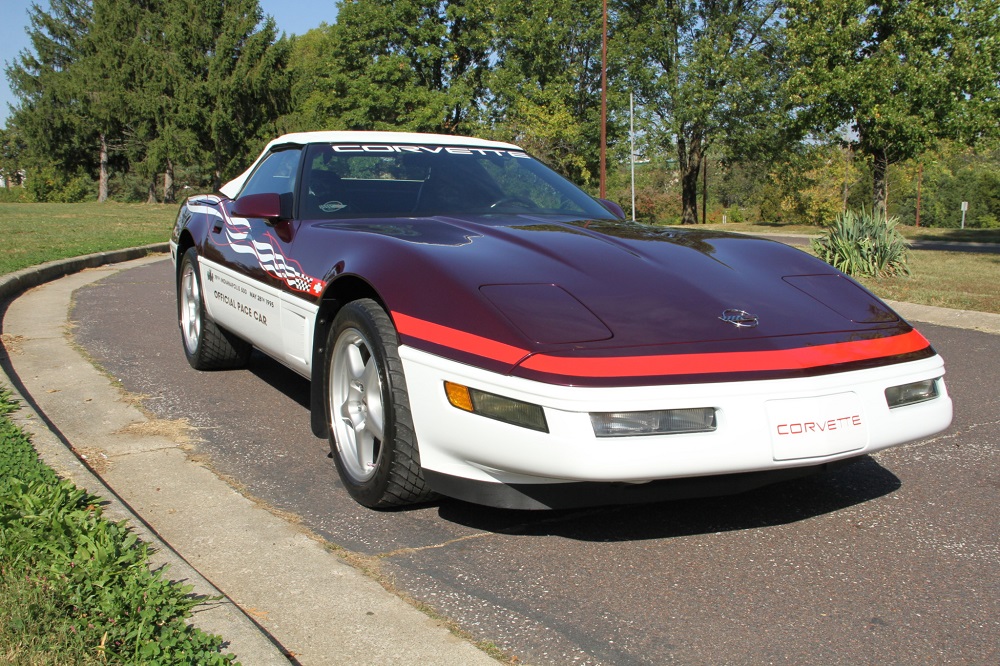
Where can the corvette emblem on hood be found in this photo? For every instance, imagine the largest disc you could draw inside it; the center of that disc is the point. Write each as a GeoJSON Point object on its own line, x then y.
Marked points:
{"type": "Point", "coordinates": [740, 318]}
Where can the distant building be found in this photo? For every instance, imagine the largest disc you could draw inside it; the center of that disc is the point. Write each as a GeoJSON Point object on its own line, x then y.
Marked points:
{"type": "Point", "coordinates": [14, 182]}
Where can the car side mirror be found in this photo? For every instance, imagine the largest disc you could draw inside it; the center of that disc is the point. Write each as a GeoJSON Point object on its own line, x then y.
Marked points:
{"type": "Point", "coordinates": [615, 209]}
{"type": "Point", "coordinates": [266, 205]}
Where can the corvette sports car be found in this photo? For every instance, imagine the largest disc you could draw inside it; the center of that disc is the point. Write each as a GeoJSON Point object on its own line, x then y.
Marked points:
{"type": "Point", "coordinates": [473, 325]}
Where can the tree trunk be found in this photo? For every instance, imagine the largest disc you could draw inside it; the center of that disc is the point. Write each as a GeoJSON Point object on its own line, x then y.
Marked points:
{"type": "Point", "coordinates": [151, 198]}
{"type": "Point", "coordinates": [848, 153]}
{"type": "Point", "coordinates": [880, 188]}
{"type": "Point", "coordinates": [689, 163]}
{"type": "Point", "coordinates": [102, 186]}
{"type": "Point", "coordinates": [168, 183]}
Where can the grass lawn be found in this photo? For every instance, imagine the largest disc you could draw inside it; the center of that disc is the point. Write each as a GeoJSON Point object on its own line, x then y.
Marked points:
{"type": "Point", "coordinates": [33, 233]}
{"type": "Point", "coordinates": [960, 280]}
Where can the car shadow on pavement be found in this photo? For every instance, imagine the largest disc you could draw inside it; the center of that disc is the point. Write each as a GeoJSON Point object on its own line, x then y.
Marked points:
{"type": "Point", "coordinates": [281, 379]}
{"type": "Point", "coordinates": [778, 504]}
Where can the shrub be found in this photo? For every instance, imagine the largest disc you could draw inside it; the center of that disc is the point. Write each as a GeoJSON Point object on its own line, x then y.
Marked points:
{"type": "Point", "coordinates": [13, 195]}
{"type": "Point", "coordinates": [656, 206]}
{"type": "Point", "coordinates": [50, 184]}
{"type": "Point", "coordinates": [734, 215]}
{"type": "Point", "coordinates": [864, 244]}
{"type": "Point", "coordinates": [986, 221]}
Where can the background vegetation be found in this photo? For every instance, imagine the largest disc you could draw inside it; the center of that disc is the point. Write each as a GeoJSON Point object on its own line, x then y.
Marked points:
{"type": "Point", "coordinates": [797, 109]}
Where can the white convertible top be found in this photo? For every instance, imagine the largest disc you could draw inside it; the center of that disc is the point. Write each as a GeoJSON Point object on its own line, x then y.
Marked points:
{"type": "Point", "coordinates": [231, 188]}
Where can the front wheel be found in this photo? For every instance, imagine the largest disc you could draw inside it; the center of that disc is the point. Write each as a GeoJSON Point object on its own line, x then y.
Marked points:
{"type": "Point", "coordinates": [206, 346]}
{"type": "Point", "coordinates": [368, 410]}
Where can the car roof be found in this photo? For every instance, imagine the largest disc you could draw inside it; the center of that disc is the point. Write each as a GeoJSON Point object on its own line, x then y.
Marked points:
{"type": "Point", "coordinates": [232, 188]}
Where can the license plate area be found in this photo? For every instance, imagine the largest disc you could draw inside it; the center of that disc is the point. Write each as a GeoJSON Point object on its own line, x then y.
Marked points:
{"type": "Point", "coordinates": [816, 427]}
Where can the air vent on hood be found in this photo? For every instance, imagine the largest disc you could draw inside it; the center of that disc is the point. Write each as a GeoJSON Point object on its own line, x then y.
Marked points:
{"type": "Point", "coordinates": [844, 297]}
{"type": "Point", "coordinates": [546, 313]}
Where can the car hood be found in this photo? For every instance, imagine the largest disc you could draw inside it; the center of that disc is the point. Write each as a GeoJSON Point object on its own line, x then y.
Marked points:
{"type": "Point", "coordinates": [608, 284]}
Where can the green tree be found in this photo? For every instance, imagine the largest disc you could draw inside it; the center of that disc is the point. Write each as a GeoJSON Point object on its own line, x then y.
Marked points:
{"type": "Point", "coordinates": [899, 75]}
{"type": "Point", "coordinates": [545, 89]}
{"type": "Point", "coordinates": [710, 73]}
{"type": "Point", "coordinates": [58, 139]}
{"type": "Point", "coordinates": [246, 87]}
{"type": "Point", "coordinates": [948, 175]}
{"type": "Point", "coordinates": [414, 65]}
{"type": "Point", "coordinates": [110, 77]}
{"type": "Point", "coordinates": [149, 85]}
{"type": "Point", "coordinates": [309, 70]}
{"type": "Point", "coordinates": [212, 83]}
{"type": "Point", "coordinates": [821, 184]}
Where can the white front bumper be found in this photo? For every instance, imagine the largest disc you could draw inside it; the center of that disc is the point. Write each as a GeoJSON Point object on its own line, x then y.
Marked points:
{"type": "Point", "coordinates": [761, 425]}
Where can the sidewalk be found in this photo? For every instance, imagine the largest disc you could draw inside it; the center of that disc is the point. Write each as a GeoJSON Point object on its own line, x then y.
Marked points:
{"type": "Point", "coordinates": [288, 598]}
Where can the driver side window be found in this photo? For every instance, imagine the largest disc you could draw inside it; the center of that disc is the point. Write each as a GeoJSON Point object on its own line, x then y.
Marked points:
{"type": "Point", "coordinates": [275, 174]}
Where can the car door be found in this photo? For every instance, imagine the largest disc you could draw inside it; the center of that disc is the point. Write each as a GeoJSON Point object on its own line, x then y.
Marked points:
{"type": "Point", "coordinates": [259, 290]}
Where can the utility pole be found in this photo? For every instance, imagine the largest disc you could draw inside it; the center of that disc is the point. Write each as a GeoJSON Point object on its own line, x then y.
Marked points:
{"type": "Point", "coordinates": [704, 191]}
{"type": "Point", "coordinates": [604, 103]}
{"type": "Point", "coordinates": [631, 139]}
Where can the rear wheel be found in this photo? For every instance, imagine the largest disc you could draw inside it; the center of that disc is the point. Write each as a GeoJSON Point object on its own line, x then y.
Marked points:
{"type": "Point", "coordinates": [206, 346]}
{"type": "Point", "coordinates": [368, 410]}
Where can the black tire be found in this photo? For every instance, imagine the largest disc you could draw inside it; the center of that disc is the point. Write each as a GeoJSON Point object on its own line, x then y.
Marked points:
{"type": "Point", "coordinates": [206, 346]}
{"type": "Point", "coordinates": [368, 410]}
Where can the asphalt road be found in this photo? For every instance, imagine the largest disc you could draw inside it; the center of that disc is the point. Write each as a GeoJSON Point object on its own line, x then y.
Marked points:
{"type": "Point", "coordinates": [893, 560]}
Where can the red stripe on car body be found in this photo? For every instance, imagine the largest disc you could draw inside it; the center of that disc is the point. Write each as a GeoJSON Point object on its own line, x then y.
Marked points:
{"type": "Point", "coordinates": [459, 340]}
{"type": "Point", "coordinates": [799, 358]}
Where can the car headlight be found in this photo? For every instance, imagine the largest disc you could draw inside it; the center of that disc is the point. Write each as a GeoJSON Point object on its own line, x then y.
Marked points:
{"type": "Point", "coordinates": [658, 422]}
{"type": "Point", "coordinates": [911, 394]}
{"type": "Point", "coordinates": [498, 407]}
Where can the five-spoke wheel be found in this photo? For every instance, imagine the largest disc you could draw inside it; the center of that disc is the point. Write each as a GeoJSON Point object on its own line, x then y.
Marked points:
{"type": "Point", "coordinates": [206, 346]}
{"type": "Point", "coordinates": [356, 397]}
{"type": "Point", "coordinates": [368, 410]}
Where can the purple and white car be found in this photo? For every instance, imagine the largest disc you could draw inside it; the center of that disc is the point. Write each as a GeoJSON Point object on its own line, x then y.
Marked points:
{"type": "Point", "coordinates": [476, 326]}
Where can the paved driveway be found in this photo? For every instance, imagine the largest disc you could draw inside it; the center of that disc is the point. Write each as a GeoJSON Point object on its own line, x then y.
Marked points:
{"type": "Point", "coordinates": [893, 560]}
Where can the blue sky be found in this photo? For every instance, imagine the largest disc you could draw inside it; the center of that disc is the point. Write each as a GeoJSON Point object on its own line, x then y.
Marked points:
{"type": "Point", "coordinates": [293, 17]}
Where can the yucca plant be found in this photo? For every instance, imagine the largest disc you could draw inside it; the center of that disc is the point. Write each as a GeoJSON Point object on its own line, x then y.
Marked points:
{"type": "Point", "coordinates": [865, 244]}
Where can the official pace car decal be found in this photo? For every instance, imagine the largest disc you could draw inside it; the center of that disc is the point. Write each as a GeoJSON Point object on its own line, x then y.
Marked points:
{"type": "Point", "coordinates": [664, 365]}
{"type": "Point", "coordinates": [268, 254]}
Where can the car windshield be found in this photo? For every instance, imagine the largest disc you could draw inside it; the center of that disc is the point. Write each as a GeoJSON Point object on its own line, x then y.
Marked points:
{"type": "Point", "coordinates": [382, 180]}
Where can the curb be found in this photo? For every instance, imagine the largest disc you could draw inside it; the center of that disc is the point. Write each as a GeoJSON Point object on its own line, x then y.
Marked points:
{"type": "Point", "coordinates": [985, 322]}
{"type": "Point", "coordinates": [18, 282]}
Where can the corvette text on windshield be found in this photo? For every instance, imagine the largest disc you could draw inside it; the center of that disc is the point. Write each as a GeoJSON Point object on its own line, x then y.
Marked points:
{"type": "Point", "coordinates": [453, 150]}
